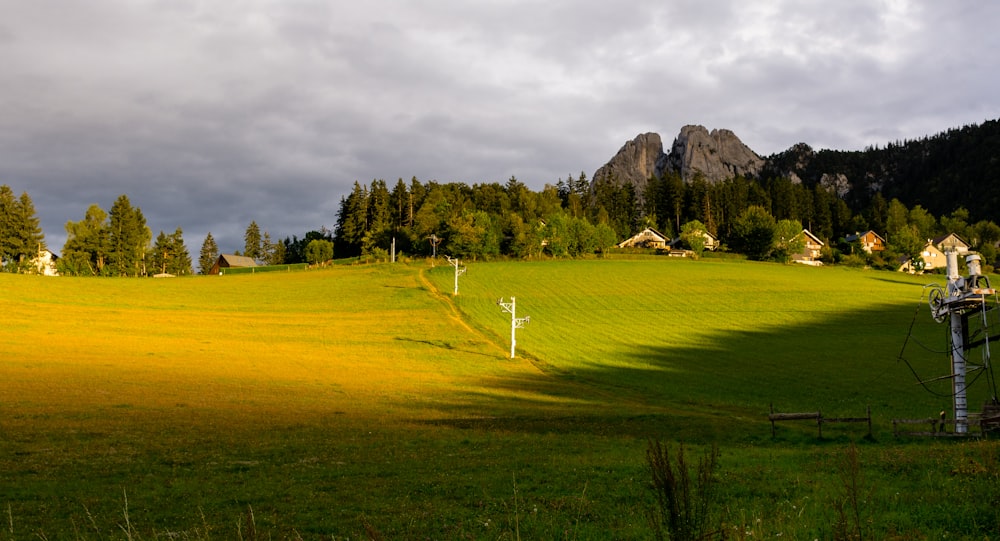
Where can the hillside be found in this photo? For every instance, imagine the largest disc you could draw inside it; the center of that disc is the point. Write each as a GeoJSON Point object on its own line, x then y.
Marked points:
{"type": "Point", "coordinates": [942, 172]}
{"type": "Point", "coordinates": [367, 402]}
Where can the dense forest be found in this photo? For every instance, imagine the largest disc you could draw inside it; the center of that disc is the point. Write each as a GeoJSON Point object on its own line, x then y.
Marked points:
{"type": "Point", "coordinates": [908, 192]}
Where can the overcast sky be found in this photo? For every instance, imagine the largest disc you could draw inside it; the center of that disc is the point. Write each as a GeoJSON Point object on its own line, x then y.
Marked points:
{"type": "Point", "coordinates": [211, 113]}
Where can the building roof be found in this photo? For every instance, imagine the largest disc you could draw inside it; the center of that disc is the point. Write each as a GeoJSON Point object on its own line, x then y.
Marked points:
{"type": "Point", "coordinates": [942, 238]}
{"type": "Point", "coordinates": [815, 239]}
{"type": "Point", "coordinates": [647, 232]}
{"type": "Point", "coordinates": [237, 260]}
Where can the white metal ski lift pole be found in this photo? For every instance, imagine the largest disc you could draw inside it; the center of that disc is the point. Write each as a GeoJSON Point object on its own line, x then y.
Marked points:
{"type": "Point", "coordinates": [515, 322]}
{"type": "Point", "coordinates": [458, 271]}
{"type": "Point", "coordinates": [961, 296]}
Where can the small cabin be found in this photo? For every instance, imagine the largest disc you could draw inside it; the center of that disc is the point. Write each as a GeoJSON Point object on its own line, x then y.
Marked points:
{"type": "Point", "coordinates": [229, 261]}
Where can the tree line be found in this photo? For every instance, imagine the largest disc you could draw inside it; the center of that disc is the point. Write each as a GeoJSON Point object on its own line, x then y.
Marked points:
{"type": "Point", "coordinates": [119, 243]}
{"type": "Point", "coordinates": [757, 218]}
{"type": "Point", "coordinates": [574, 217]}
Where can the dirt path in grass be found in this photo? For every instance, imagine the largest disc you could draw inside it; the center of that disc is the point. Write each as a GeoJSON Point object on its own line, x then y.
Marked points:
{"type": "Point", "coordinates": [539, 366]}
{"type": "Point", "coordinates": [457, 316]}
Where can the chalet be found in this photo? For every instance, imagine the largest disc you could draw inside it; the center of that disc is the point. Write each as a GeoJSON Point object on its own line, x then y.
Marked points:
{"type": "Point", "coordinates": [647, 238]}
{"type": "Point", "coordinates": [711, 241]}
{"type": "Point", "coordinates": [228, 261]}
{"type": "Point", "coordinates": [810, 253]}
{"type": "Point", "coordinates": [931, 256]}
{"type": "Point", "coordinates": [870, 241]}
{"type": "Point", "coordinates": [45, 263]}
{"type": "Point", "coordinates": [951, 242]}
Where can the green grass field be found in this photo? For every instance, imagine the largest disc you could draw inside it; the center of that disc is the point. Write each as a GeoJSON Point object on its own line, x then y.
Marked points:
{"type": "Point", "coordinates": [367, 402]}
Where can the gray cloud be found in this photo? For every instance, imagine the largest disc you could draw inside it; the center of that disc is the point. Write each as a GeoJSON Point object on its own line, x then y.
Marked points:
{"type": "Point", "coordinates": [212, 114]}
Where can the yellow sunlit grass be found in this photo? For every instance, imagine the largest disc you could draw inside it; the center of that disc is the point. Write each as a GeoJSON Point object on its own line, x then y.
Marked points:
{"type": "Point", "coordinates": [272, 347]}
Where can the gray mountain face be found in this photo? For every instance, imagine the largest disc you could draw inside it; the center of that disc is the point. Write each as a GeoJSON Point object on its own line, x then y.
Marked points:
{"type": "Point", "coordinates": [716, 155]}
{"type": "Point", "coordinates": [637, 161]}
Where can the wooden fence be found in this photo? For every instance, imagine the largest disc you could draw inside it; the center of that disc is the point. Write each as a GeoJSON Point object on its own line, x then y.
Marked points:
{"type": "Point", "coordinates": [820, 420]}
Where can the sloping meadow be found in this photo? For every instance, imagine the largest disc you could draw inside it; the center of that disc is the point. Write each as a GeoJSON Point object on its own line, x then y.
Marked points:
{"type": "Point", "coordinates": [369, 401]}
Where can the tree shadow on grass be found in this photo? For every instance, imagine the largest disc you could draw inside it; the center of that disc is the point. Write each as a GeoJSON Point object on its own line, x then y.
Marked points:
{"type": "Point", "coordinates": [839, 363]}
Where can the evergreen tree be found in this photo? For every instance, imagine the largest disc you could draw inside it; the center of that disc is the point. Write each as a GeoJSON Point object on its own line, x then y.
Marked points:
{"type": "Point", "coordinates": [209, 254]}
{"type": "Point", "coordinates": [128, 238]}
{"type": "Point", "coordinates": [253, 243]}
{"type": "Point", "coordinates": [352, 221]}
{"type": "Point", "coordinates": [29, 231]}
{"type": "Point", "coordinates": [21, 237]}
{"type": "Point", "coordinates": [180, 263]}
{"type": "Point", "coordinates": [8, 217]}
{"type": "Point", "coordinates": [274, 252]}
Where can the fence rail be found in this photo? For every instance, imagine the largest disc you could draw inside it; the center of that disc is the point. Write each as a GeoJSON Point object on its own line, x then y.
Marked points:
{"type": "Point", "coordinates": [818, 417]}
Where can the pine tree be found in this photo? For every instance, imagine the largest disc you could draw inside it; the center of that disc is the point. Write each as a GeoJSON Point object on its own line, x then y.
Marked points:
{"type": "Point", "coordinates": [252, 242]}
{"type": "Point", "coordinates": [180, 264]}
{"type": "Point", "coordinates": [273, 252]}
{"type": "Point", "coordinates": [209, 254]}
{"type": "Point", "coordinates": [21, 237]}
{"type": "Point", "coordinates": [162, 253]}
{"type": "Point", "coordinates": [129, 238]}
{"type": "Point", "coordinates": [8, 213]}
{"type": "Point", "coordinates": [28, 229]}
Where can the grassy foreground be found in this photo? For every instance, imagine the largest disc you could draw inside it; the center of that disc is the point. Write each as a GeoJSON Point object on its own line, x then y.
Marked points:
{"type": "Point", "coordinates": [362, 403]}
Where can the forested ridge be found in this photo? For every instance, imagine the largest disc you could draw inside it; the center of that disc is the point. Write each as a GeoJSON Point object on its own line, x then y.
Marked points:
{"type": "Point", "coordinates": [906, 191]}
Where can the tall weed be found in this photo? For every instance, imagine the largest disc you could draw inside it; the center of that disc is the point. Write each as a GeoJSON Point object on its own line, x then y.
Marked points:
{"type": "Point", "coordinates": [683, 503]}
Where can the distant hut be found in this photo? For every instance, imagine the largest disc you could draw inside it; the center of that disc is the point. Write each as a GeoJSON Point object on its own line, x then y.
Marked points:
{"type": "Point", "coordinates": [230, 261]}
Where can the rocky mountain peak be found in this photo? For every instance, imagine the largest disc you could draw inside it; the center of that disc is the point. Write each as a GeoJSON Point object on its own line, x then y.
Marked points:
{"type": "Point", "coordinates": [717, 155]}
{"type": "Point", "coordinates": [637, 161]}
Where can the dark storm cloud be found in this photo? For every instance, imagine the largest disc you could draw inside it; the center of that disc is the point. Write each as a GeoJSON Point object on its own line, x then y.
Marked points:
{"type": "Point", "coordinates": [212, 114]}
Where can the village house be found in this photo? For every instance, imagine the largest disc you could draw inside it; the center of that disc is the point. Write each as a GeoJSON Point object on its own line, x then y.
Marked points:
{"type": "Point", "coordinates": [951, 242]}
{"type": "Point", "coordinates": [931, 258]}
{"type": "Point", "coordinates": [711, 242]}
{"type": "Point", "coordinates": [870, 241]}
{"type": "Point", "coordinates": [647, 238]}
{"type": "Point", "coordinates": [45, 263]}
{"type": "Point", "coordinates": [811, 249]}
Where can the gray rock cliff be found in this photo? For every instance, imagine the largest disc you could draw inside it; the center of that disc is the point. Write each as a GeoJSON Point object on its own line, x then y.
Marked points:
{"type": "Point", "coordinates": [637, 161]}
{"type": "Point", "coordinates": [718, 155]}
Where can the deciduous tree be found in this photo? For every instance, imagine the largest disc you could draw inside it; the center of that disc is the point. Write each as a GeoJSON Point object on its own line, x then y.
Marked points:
{"type": "Point", "coordinates": [319, 251]}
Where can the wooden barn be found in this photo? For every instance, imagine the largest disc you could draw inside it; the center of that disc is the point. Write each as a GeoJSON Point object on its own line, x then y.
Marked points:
{"type": "Point", "coordinates": [229, 261]}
